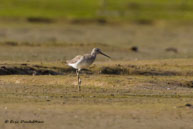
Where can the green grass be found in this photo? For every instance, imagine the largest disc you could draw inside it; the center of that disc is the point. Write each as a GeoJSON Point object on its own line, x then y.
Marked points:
{"type": "Point", "coordinates": [86, 9]}
{"type": "Point", "coordinates": [53, 9]}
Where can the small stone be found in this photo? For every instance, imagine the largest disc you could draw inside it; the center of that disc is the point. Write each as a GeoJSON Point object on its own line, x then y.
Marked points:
{"type": "Point", "coordinates": [188, 105]}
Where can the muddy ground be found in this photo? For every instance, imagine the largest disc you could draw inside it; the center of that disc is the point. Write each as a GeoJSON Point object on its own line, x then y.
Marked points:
{"type": "Point", "coordinates": [107, 100]}
{"type": "Point", "coordinates": [56, 42]}
{"type": "Point", "coordinates": [147, 84]}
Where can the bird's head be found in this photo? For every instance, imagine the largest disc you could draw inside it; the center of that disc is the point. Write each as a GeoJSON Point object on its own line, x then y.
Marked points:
{"type": "Point", "coordinates": [98, 51]}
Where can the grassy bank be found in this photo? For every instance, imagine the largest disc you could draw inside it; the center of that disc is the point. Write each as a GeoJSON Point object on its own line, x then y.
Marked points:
{"type": "Point", "coordinates": [122, 10]}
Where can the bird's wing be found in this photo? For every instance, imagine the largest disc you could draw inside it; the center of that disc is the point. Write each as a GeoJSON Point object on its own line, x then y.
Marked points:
{"type": "Point", "coordinates": [74, 60]}
{"type": "Point", "coordinates": [86, 56]}
{"type": "Point", "coordinates": [87, 59]}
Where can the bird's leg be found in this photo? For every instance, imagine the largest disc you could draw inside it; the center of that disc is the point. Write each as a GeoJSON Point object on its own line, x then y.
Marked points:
{"type": "Point", "coordinates": [77, 73]}
{"type": "Point", "coordinates": [79, 88]}
{"type": "Point", "coordinates": [79, 81]}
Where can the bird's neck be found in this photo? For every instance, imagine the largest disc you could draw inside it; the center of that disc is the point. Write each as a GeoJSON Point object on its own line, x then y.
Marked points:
{"type": "Point", "coordinates": [94, 54]}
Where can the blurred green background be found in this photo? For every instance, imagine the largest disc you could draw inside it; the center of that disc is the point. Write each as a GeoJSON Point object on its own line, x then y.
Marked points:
{"type": "Point", "coordinates": [156, 27]}
{"type": "Point", "coordinates": [115, 10]}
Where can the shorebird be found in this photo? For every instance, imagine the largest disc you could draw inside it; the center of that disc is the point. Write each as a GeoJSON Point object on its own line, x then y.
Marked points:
{"type": "Point", "coordinates": [83, 61]}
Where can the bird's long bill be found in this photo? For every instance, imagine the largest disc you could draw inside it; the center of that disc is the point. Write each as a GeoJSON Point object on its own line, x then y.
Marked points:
{"type": "Point", "coordinates": [105, 54]}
